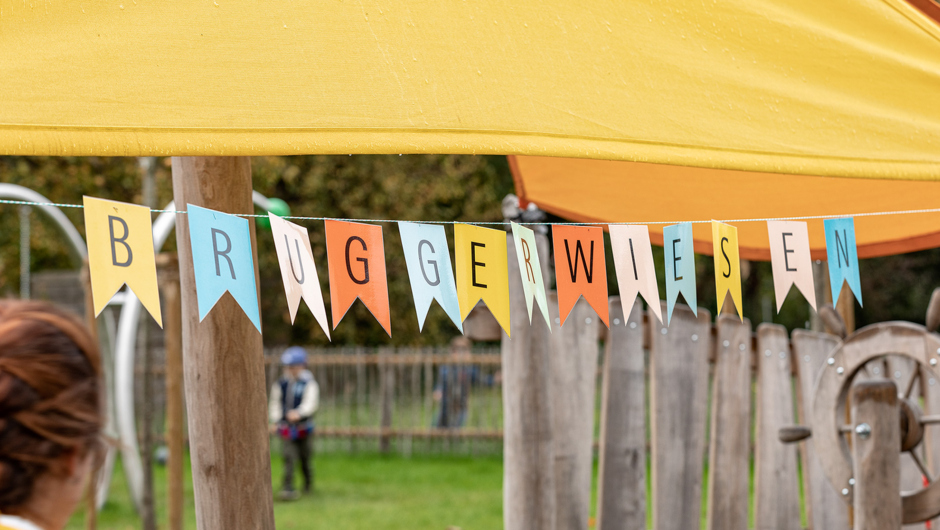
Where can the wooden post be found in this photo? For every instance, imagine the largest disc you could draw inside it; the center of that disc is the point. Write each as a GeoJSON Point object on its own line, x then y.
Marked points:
{"type": "Point", "coordinates": [574, 391]}
{"type": "Point", "coordinates": [621, 481]}
{"type": "Point", "coordinates": [148, 516]}
{"type": "Point", "coordinates": [223, 367]}
{"type": "Point", "coordinates": [876, 448]}
{"type": "Point", "coordinates": [386, 399]}
{"type": "Point", "coordinates": [91, 499]}
{"type": "Point", "coordinates": [168, 269]}
{"type": "Point", "coordinates": [823, 294]}
{"type": "Point", "coordinates": [528, 472]}
{"type": "Point", "coordinates": [846, 308]}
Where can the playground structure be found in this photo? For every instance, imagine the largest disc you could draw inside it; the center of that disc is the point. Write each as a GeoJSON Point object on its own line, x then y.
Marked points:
{"type": "Point", "coordinates": [707, 413]}
{"type": "Point", "coordinates": [118, 345]}
{"type": "Point", "coordinates": [768, 86]}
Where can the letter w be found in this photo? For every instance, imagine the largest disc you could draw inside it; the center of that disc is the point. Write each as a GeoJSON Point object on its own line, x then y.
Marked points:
{"type": "Point", "coordinates": [573, 267]}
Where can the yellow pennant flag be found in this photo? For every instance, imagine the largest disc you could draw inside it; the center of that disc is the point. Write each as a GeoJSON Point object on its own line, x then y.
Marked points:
{"type": "Point", "coordinates": [482, 271]}
{"type": "Point", "coordinates": [120, 251]}
{"type": "Point", "coordinates": [727, 264]}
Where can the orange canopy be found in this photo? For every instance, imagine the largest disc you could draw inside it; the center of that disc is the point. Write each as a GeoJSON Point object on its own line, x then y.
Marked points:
{"type": "Point", "coordinates": [602, 191]}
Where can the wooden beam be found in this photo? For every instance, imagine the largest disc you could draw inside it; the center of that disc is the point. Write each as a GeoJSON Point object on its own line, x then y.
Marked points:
{"type": "Point", "coordinates": [223, 367]}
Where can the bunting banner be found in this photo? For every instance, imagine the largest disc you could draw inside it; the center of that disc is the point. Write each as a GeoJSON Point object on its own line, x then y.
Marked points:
{"type": "Point", "coordinates": [429, 270]}
{"type": "Point", "coordinates": [356, 258]}
{"type": "Point", "coordinates": [790, 260]}
{"type": "Point", "coordinates": [678, 247]}
{"type": "Point", "coordinates": [633, 262]}
{"type": "Point", "coordinates": [580, 269]}
{"type": "Point", "coordinates": [533, 286]}
{"type": "Point", "coordinates": [120, 251]}
{"type": "Point", "coordinates": [482, 271]}
{"type": "Point", "coordinates": [222, 261]}
{"type": "Point", "coordinates": [843, 257]}
{"type": "Point", "coordinates": [298, 270]}
{"type": "Point", "coordinates": [727, 265]}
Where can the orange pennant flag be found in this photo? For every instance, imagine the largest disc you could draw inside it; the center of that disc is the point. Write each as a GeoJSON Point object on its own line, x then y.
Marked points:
{"type": "Point", "coordinates": [580, 268]}
{"type": "Point", "coordinates": [356, 257]}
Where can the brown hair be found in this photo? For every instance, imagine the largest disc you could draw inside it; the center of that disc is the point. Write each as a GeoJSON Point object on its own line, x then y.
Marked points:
{"type": "Point", "coordinates": [50, 394]}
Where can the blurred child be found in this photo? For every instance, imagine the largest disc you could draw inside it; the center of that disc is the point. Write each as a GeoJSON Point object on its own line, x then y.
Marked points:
{"type": "Point", "coordinates": [294, 400]}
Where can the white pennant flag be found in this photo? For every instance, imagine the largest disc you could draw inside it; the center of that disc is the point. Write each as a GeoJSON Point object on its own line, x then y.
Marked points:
{"type": "Point", "coordinates": [633, 260]}
{"type": "Point", "coordinates": [790, 257]}
{"type": "Point", "coordinates": [298, 269]}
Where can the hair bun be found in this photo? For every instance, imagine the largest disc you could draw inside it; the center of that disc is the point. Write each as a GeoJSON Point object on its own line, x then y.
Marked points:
{"type": "Point", "coordinates": [15, 482]}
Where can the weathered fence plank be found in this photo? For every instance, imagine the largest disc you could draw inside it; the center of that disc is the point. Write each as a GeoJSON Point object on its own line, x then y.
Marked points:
{"type": "Point", "coordinates": [678, 397]}
{"type": "Point", "coordinates": [877, 502]}
{"type": "Point", "coordinates": [931, 387]}
{"type": "Point", "coordinates": [621, 482]}
{"type": "Point", "coordinates": [528, 449]}
{"type": "Point", "coordinates": [825, 508]}
{"type": "Point", "coordinates": [901, 371]}
{"type": "Point", "coordinates": [776, 488]}
{"type": "Point", "coordinates": [729, 452]}
{"type": "Point", "coordinates": [574, 384]}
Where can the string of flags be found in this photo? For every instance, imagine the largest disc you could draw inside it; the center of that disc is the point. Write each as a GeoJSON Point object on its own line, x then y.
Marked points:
{"type": "Point", "coordinates": [121, 251]}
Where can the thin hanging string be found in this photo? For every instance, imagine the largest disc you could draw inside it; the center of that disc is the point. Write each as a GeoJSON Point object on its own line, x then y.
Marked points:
{"type": "Point", "coordinates": [506, 223]}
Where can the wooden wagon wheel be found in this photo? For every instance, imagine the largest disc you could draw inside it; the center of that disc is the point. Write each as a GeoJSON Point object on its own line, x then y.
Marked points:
{"type": "Point", "coordinates": [830, 430]}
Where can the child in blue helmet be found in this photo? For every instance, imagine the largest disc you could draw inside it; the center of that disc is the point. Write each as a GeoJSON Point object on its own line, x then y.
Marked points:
{"type": "Point", "coordinates": [294, 399]}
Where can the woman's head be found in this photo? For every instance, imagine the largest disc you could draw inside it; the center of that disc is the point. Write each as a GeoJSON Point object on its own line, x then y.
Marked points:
{"type": "Point", "coordinates": [50, 400]}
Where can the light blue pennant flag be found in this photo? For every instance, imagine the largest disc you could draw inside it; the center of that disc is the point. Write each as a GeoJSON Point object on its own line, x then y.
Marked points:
{"type": "Point", "coordinates": [680, 266]}
{"type": "Point", "coordinates": [429, 269]}
{"type": "Point", "coordinates": [222, 261]}
{"type": "Point", "coordinates": [843, 257]}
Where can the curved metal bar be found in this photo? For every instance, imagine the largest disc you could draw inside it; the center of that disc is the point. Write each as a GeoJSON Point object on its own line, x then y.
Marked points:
{"type": "Point", "coordinates": [124, 354]}
{"type": "Point", "coordinates": [20, 193]}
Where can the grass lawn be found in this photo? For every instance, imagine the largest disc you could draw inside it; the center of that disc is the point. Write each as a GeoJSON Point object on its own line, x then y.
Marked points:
{"type": "Point", "coordinates": [359, 491]}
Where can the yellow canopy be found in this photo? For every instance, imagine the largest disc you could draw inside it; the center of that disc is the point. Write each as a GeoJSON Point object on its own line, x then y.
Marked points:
{"type": "Point", "coordinates": [834, 87]}
{"type": "Point", "coordinates": [607, 191]}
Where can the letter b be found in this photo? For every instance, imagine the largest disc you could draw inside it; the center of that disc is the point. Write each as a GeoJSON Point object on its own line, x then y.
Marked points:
{"type": "Point", "coordinates": [119, 241]}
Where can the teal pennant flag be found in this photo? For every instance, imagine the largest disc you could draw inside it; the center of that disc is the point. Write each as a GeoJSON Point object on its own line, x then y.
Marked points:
{"type": "Point", "coordinates": [222, 261]}
{"type": "Point", "coordinates": [843, 257]}
{"type": "Point", "coordinates": [429, 269]}
{"type": "Point", "coordinates": [680, 266]}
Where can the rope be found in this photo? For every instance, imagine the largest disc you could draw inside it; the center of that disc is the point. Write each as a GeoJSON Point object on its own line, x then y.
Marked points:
{"type": "Point", "coordinates": [506, 223]}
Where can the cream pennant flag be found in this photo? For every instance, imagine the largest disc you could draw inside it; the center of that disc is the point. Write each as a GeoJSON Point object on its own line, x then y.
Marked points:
{"type": "Point", "coordinates": [790, 258]}
{"type": "Point", "coordinates": [531, 270]}
{"type": "Point", "coordinates": [633, 261]}
{"type": "Point", "coordinates": [727, 264]}
{"type": "Point", "coordinates": [298, 270]}
{"type": "Point", "coordinates": [120, 251]}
